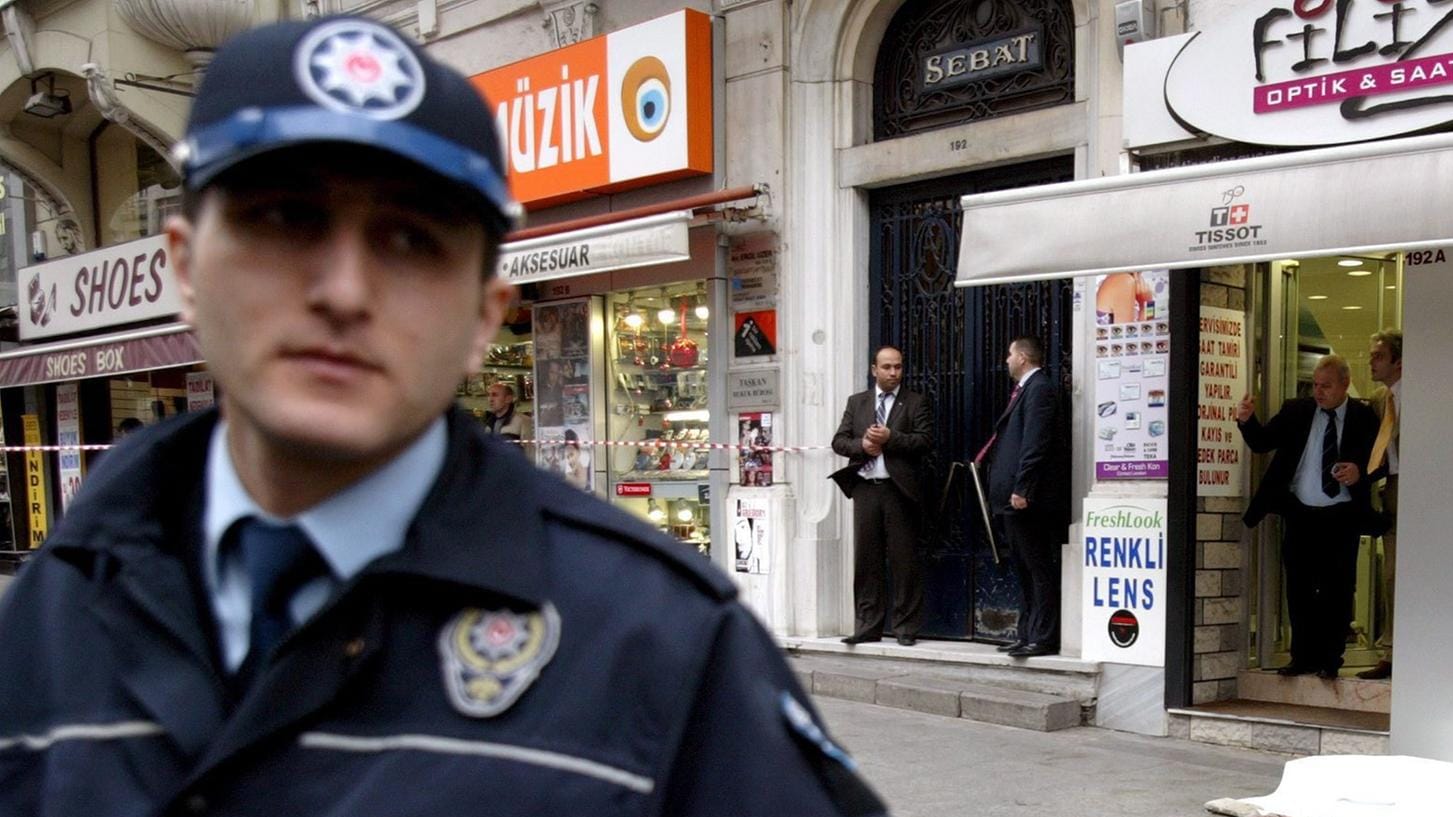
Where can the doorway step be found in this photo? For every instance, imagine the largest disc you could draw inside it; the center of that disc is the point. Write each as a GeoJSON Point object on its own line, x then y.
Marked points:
{"type": "Point", "coordinates": [950, 678]}
{"type": "Point", "coordinates": [1304, 715]}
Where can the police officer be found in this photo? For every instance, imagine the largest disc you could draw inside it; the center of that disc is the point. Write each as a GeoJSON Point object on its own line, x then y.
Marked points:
{"type": "Point", "coordinates": [339, 596]}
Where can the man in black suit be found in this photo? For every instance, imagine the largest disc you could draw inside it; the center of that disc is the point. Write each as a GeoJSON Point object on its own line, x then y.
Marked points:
{"type": "Point", "coordinates": [1316, 485]}
{"type": "Point", "coordinates": [1028, 493]}
{"type": "Point", "coordinates": [885, 434]}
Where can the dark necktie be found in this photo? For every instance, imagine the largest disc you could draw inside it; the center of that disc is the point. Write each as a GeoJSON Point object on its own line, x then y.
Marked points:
{"type": "Point", "coordinates": [280, 559]}
{"type": "Point", "coordinates": [880, 416]}
{"type": "Point", "coordinates": [984, 452]}
{"type": "Point", "coordinates": [1330, 486]}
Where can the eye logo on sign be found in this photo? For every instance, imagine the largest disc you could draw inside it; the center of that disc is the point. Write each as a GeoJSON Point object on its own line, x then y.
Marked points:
{"type": "Point", "coordinates": [646, 98]}
{"type": "Point", "coordinates": [354, 66]}
{"type": "Point", "coordinates": [1124, 628]}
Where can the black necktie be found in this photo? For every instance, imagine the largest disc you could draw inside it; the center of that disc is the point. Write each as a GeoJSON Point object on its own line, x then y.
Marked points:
{"type": "Point", "coordinates": [1330, 486]}
{"type": "Point", "coordinates": [280, 559]}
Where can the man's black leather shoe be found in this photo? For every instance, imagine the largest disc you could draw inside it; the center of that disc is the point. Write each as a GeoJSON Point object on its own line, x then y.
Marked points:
{"type": "Point", "coordinates": [1295, 669]}
{"type": "Point", "coordinates": [1030, 650]}
{"type": "Point", "coordinates": [907, 640]}
{"type": "Point", "coordinates": [861, 638]}
{"type": "Point", "coordinates": [1327, 674]}
{"type": "Point", "coordinates": [1011, 646]}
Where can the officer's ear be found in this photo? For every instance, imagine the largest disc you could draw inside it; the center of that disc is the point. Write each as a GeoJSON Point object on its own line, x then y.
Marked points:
{"type": "Point", "coordinates": [494, 302]}
{"type": "Point", "coordinates": [179, 232]}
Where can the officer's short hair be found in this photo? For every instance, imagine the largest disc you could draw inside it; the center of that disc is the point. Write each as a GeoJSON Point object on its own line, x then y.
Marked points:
{"type": "Point", "coordinates": [1336, 363]}
{"type": "Point", "coordinates": [1031, 347]}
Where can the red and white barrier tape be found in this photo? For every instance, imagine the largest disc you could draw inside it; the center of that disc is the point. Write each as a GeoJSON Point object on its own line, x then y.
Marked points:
{"type": "Point", "coordinates": [653, 443]}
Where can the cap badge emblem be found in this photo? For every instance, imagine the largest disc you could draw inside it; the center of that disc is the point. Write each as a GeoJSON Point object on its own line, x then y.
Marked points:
{"type": "Point", "coordinates": [359, 67]}
{"type": "Point", "coordinates": [490, 657]}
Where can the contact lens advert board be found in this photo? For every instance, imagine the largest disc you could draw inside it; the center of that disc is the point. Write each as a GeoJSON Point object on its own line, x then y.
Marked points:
{"type": "Point", "coordinates": [1132, 361]}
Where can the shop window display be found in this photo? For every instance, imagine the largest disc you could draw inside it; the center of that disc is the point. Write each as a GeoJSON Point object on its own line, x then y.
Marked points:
{"type": "Point", "coordinates": [511, 361]}
{"type": "Point", "coordinates": [658, 423]}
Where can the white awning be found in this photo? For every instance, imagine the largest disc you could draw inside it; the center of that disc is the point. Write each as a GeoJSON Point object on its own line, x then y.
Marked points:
{"type": "Point", "coordinates": [641, 242]}
{"type": "Point", "coordinates": [1373, 197]}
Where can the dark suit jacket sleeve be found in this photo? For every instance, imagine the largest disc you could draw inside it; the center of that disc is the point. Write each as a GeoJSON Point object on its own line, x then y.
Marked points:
{"type": "Point", "coordinates": [1038, 440]}
{"type": "Point", "coordinates": [1262, 438]}
{"type": "Point", "coordinates": [917, 436]}
{"type": "Point", "coordinates": [846, 441]}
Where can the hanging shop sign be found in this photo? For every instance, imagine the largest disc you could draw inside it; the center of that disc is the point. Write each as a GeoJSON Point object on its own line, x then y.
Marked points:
{"type": "Point", "coordinates": [108, 287]}
{"type": "Point", "coordinates": [970, 62]}
{"type": "Point", "coordinates": [115, 355]}
{"type": "Point", "coordinates": [1220, 458]}
{"type": "Point", "coordinates": [201, 391]}
{"type": "Point", "coordinates": [68, 433]}
{"type": "Point", "coordinates": [622, 110]}
{"type": "Point", "coordinates": [1315, 72]}
{"type": "Point", "coordinates": [35, 482]}
{"type": "Point", "coordinates": [1124, 581]}
{"type": "Point", "coordinates": [641, 242]}
{"type": "Point", "coordinates": [1132, 354]}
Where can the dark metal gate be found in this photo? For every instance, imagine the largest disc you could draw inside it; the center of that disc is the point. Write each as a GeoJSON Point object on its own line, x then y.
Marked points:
{"type": "Point", "coordinates": [954, 341]}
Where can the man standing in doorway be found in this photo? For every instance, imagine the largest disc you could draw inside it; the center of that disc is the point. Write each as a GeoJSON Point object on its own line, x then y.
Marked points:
{"type": "Point", "coordinates": [1028, 494]}
{"type": "Point", "coordinates": [885, 434]}
{"type": "Point", "coordinates": [1317, 484]}
{"type": "Point", "coordinates": [1386, 361]}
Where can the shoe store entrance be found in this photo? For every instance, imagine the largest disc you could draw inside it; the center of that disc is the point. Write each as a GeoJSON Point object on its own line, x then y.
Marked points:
{"type": "Point", "coordinates": [954, 342]}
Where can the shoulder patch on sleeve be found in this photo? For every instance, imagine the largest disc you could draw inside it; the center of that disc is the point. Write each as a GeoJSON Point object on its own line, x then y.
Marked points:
{"type": "Point", "coordinates": [835, 767]}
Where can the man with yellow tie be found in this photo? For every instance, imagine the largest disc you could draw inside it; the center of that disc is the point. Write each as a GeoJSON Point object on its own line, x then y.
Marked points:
{"type": "Point", "coordinates": [1386, 361]}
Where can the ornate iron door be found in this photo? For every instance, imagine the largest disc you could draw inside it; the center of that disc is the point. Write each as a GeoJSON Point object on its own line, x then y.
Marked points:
{"type": "Point", "coordinates": [954, 341]}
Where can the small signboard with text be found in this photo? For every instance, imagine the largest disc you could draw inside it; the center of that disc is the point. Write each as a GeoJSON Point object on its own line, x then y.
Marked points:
{"type": "Point", "coordinates": [1124, 581]}
{"type": "Point", "coordinates": [1220, 457]}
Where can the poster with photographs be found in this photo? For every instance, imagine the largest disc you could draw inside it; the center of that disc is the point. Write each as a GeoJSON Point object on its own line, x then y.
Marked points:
{"type": "Point", "coordinates": [1132, 357]}
{"type": "Point", "coordinates": [68, 435]}
{"type": "Point", "coordinates": [749, 535]}
{"type": "Point", "coordinates": [563, 390]}
{"type": "Point", "coordinates": [755, 431]}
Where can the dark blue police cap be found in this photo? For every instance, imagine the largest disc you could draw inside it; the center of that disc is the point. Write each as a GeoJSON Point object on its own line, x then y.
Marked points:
{"type": "Point", "coordinates": [344, 79]}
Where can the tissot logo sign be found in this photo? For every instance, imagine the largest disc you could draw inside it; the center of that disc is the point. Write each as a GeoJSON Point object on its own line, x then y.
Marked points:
{"type": "Point", "coordinates": [1230, 225]}
{"type": "Point", "coordinates": [1317, 72]}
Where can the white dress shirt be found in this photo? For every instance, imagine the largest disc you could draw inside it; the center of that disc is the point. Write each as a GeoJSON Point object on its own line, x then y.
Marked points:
{"type": "Point", "coordinates": [876, 468]}
{"type": "Point", "coordinates": [1307, 484]}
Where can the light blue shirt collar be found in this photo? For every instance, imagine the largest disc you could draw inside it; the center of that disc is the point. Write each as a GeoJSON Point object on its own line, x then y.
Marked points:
{"type": "Point", "coordinates": [355, 526]}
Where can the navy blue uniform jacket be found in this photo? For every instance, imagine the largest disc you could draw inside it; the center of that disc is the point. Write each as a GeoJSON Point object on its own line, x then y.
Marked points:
{"type": "Point", "coordinates": [664, 696]}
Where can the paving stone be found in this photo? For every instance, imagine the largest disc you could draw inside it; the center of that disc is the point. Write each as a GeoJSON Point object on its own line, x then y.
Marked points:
{"type": "Point", "coordinates": [1208, 526]}
{"type": "Point", "coordinates": [1221, 611]}
{"type": "Point", "coordinates": [921, 694]}
{"type": "Point", "coordinates": [850, 683]}
{"type": "Point", "coordinates": [1208, 583]}
{"type": "Point", "coordinates": [1178, 726]}
{"type": "Point", "coordinates": [1221, 556]}
{"type": "Point", "coordinates": [1013, 707]}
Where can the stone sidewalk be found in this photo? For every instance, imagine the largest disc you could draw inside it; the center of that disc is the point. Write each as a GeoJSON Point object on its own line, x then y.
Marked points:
{"type": "Point", "coordinates": [930, 766]}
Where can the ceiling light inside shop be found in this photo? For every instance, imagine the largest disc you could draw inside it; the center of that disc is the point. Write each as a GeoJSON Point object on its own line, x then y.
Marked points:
{"type": "Point", "coordinates": [1349, 262]}
{"type": "Point", "coordinates": [703, 312]}
{"type": "Point", "coordinates": [1316, 297]}
{"type": "Point", "coordinates": [699, 416]}
{"type": "Point", "coordinates": [666, 317]}
{"type": "Point", "coordinates": [634, 320]}
{"type": "Point", "coordinates": [654, 511]}
{"type": "Point", "coordinates": [685, 515]}
{"type": "Point", "coordinates": [1352, 307]}
{"type": "Point", "coordinates": [1392, 286]}
{"type": "Point", "coordinates": [1359, 273]}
